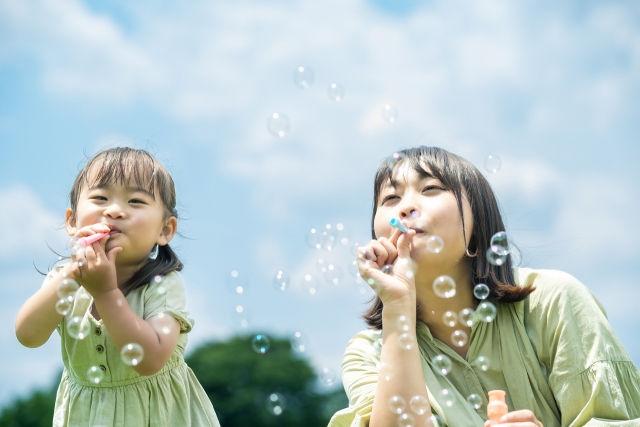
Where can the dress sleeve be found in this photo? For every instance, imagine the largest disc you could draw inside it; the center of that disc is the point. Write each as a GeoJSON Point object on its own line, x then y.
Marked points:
{"type": "Point", "coordinates": [592, 377]}
{"type": "Point", "coordinates": [360, 379]}
{"type": "Point", "coordinates": [168, 296]}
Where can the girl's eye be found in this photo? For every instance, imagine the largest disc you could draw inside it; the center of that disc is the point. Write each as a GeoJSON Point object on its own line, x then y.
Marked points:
{"type": "Point", "coordinates": [386, 199]}
{"type": "Point", "coordinates": [136, 201]}
{"type": "Point", "coordinates": [101, 198]}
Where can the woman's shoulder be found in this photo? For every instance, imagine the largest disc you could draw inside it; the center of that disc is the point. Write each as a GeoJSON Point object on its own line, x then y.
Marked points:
{"type": "Point", "coordinates": [366, 343]}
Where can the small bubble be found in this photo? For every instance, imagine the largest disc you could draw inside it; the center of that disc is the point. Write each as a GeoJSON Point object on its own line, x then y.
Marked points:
{"type": "Point", "coordinates": [278, 125]}
{"type": "Point", "coordinates": [435, 421]}
{"type": "Point", "coordinates": [313, 239]}
{"type": "Point", "coordinates": [335, 92]}
{"type": "Point", "coordinates": [95, 374]}
{"type": "Point", "coordinates": [385, 371]}
{"type": "Point", "coordinates": [442, 363]}
{"type": "Point", "coordinates": [406, 341]}
{"type": "Point", "coordinates": [406, 420]}
{"type": "Point", "coordinates": [486, 311]}
{"type": "Point", "coordinates": [494, 257]}
{"type": "Point", "coordinates": [78, 328]}
{"type": "Point", "coordinates": [447, 397]}
{"type": "Point", "coordinates": [339, 227]}
{"type": "Point", "coordinates": [482, 363]}
{"type": "Point", "coordinates": [419, 404]}
{"type": "Point", "coordinates": [403, 323]}
{"type": "Point", "coordinates": [281, 280]}
{"type": "Point", "coordinates": [459, 338]}
{"type": "Point", "coordinates": [298, 342]}
{"type": "Point", "coordinates": [132, 354]}
{"type": "Point", "coordinates": [435, 244]}
{"type": "Point", "coordinates": [481, 291]}
{"type": "Point", "coordinates": [236, 282]}
{"type": "Point", "coordinates": [310, 283]}
{"type": "Point", "coordinates": [63, 306]}
{"type": "Point", "coordinates": [327, 376]}
{"type": "Point", "coordinates": [387, 269]}
{"type": "Point", "coordinates": [475, 401]}
{"type": "Point", "coordinates": [163, 323]}
{"type": "Point", "coordinates": [492, 163]}
{"type": "Point", "coordinates": [466, 317]}
{"type": "Point", "coordinates": [444, 287]}
{"type": "Point", "coordinates": [390, 113]}
{"type": "Point", "coordinates": [260, 343]}
{"type": "Point", "coordinates": [303, 77]}
{"type": "Point", "coordinates": [500, 243]}
{"type": "Point", "coordinates": [275, 403]}
{"type": "Point", "coordinates": [450, 318]}
{"type": "Point", "coordinates": [397, 404]}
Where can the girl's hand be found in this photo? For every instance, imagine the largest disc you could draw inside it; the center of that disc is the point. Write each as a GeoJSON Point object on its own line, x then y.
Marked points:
{"type": "Point", "coordinates": [395, 251]}
{"type": "Point", "coordinates": [522, 418]}
{"type": "Point", "coordinates": [93, 268]}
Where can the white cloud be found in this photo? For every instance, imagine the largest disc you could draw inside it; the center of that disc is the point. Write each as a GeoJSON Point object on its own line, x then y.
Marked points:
{"type": "Point", "coordinates": [28, 225]}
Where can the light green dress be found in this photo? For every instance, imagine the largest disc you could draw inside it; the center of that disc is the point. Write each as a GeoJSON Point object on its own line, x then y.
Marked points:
{"type": "Point", "coordinates": [554, 353]}
{"type": "Point", "coordinates": [171, 397]}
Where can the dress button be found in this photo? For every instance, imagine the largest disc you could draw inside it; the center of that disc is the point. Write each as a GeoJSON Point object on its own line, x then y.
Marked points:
{"type": "Point", "coordinates": [99, 348]}
{"type": "Point", "coordinates": [98, 331]}
{"type": "Point", "coordinates": [104, 368]}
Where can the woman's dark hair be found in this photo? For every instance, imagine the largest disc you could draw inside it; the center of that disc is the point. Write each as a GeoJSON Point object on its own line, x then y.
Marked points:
{"type": "Point", "coordinates": [138, 169]}
{"type": "Point", "coordinates": [457, 175]}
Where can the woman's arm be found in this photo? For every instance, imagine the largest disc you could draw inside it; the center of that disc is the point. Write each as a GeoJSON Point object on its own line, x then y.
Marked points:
{"type": "Point", "coordinates": [38, 318]}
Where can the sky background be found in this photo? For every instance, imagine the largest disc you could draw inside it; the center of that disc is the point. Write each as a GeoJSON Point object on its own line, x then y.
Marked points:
{"type": "Point", "coordinates": [552, 88]}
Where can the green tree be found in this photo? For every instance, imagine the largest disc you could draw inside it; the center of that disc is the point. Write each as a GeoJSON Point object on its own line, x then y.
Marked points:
{"type": "Point", "coordinates": [35, 410]}
{"type": "Point", "coordinates": [239, 381]}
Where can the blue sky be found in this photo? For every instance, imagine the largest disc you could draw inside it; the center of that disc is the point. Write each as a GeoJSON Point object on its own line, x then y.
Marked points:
{"type": "Point", "coordinates": [552, 89]}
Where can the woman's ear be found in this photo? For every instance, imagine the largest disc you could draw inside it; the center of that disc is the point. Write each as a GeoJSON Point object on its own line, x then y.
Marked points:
{"type": "Point", "coordinates": [169, 229]}
{"type": "Point", "coordinates": [70, 222]}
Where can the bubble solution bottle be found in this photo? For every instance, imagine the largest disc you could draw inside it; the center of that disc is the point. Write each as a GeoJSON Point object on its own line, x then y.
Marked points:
{"type": "Point", "coordinates": [497, 406]}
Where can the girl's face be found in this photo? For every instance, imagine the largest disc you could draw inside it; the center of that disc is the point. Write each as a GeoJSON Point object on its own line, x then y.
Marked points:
{"type": "Point", "coordinates": [137, 219]}
{"type": "Point", "coordinates": [422, 203]}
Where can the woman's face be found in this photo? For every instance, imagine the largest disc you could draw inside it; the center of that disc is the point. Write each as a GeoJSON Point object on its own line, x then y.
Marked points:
{"type": "Point", "coordinates": [422, 203]}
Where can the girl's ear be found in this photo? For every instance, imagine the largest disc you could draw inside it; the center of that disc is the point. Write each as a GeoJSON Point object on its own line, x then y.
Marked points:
{"type": "Point", "coordinates": [168, 231]}
{"type": "Point", "coordinates": [70, 222]}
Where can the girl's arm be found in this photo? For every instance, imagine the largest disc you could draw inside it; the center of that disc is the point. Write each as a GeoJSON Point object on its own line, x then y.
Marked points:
{"type": "Point", "coordinates": [98, 276]}
{"type": "Point", "coordinates": [397, 292]}
{"type": "Point", "coordinates": [38, 318]}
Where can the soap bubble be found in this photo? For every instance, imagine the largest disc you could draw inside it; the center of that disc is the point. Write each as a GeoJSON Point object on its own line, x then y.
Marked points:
{"type": "Point", "coordinates": [78, 328]}
{"type": "Point", "coordinates": [475, 401]}
{"type": "Point", "coordinates": [387, 269]}
{"type": "Point", "coordinates": [327, 376]}
{"type": "Point", "coordinates": [163, 323]}
{"type": "Point", "coordinates": [406, 341]}
{"type": "Point", "coordinates": [260, 343]}
{"type": "Point", "coordinates": [321, 266]}
{"type": "Point", "coordinates": [303, 77]}
{"type": "Point", "coordinates": [397, 404]}
{"type": "Point", "coordinates": [353, 269]}
{"type": "Point", "coordinates": [450, 318]}
{"type": "Point", "coordinates": [435, 244]}
{"type": "Point", "coordinates": [442, 363]}
{"type": "Point", "coordinates": [494, 257]}
{"type": "Point", "coordinates": [403, 323]}
{"type": "Point", "coordinates": [481, 291]}
{"type": "Point", "coordinates": [482, 363]}
{"type": "Point", "coordinates": [67, 289]}
{"type": "Point", "coordinates": [459, 338]}
{"type": "Point", "coordinates": [419, 404]}
{"type": "Point", "coordinates": [447, 397]}
{"type": "Point", "coordinates": [492, 163]}
{"type": "Point", "coordinates": [275, 403]}
{"type": "Point", "coordinates": [298, 342]}
{"type": "Point", "coordinates": [236, 282]}
{"type": "Point", "coordinates": [241, 317]}
{"type": "Point", "coordinates": [354, 248]}
{"type": "Point", "coordinates": [444, 287]}
{"type": "Point", "coordinates": [160, 290]}
{"type": "Point", "coordinates": [335, 92]}
{"type": "Point", "coordinates": [73, 245]}
{"type": "Point", "coordinates": [132, 354]}
{"type": "Point", "coordinates": [95, 374]}
{"type": "Point", "coordinates": [390, 113]}
{"type": "Point", "coordinates": [328, 239]}
{"type": "Point", "coordinates": [278, 125]}
{"type": "Point", "coordinates": [310, 283]}
{"type": "Point", "coordinates": [486, 311]}
{"type": "Point", "coordinates": [435, 421]}
{"type": "Point", "coordinates": [500, 243]}
{"type": "Point", "coordinates": [334, 274]}
{"type": "Point", "coordinates": [63, 306]}
{"type": "Point", "coordinates": [385, 371]}
{"type": "Point", "coordinates": [281, 280]}
{"type": "Point", "coordinates": [313, 238]}
{"type": "Point", "coordinates": [406, 420]}
{"type": "Point", "coordinates": [466, 317]}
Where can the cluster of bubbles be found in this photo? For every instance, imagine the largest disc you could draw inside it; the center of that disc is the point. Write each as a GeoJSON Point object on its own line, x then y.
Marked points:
{"type": "Point", "coordinates": [418, 405]}
{"type": "Point", "coordinates": [498, 249]}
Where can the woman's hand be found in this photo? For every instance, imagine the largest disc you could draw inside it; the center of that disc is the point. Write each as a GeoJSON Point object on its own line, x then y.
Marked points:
{"type": "Point", "coordinates": [395, 251]}
{"type": "Point", "coordinates": [93, 268]}
{"type": "Point", "coordinates": [522, 418]}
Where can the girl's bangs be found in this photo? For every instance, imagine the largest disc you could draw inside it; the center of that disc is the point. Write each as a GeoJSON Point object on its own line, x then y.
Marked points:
{"type": "Point", "coordinates": [128, 168]}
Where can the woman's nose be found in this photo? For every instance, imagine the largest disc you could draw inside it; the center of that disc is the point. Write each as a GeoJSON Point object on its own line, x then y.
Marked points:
{"type": "Point", "coordinates": [409, 211]}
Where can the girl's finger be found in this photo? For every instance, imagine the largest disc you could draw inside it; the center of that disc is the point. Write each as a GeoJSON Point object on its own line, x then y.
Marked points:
{"type": "Point", "coordinates": [392, 252]}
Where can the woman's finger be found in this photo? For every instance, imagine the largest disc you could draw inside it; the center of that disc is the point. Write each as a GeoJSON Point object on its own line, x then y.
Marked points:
{"type": "Point", "coordinates": [394, 237]}
{"type": "Point", "coordinates": [380, 251]}
{"type": "Point", "coordinates": [404, 244]}
{"type": "Point", "coordinates": [392, 252]}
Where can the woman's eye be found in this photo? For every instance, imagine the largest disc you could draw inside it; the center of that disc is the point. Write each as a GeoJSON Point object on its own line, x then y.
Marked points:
{"type": "Point", "coordinates": [388, 198]}
{"type": "Point", "coordinates": [432, 187]}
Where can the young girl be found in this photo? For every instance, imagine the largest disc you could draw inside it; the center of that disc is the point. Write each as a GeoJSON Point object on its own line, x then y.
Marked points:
{"type": "Point", "coordinates": [427, 359]}
{"type": "Point", "coordinates": [130, 299]}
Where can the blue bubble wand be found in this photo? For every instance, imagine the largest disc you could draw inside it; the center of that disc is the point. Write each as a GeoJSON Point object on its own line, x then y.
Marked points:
{"type": "Point", "coordinates": [395, 223]}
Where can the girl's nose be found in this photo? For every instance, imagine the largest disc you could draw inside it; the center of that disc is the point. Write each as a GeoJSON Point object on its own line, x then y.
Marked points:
{"type": "Point", "coordinates": [113, 211]}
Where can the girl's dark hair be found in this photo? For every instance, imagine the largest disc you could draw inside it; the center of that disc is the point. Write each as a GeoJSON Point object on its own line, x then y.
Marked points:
{"type": "Point", "coordinates": [457, 175]}
{"type": "Point", "coordinates": [138, 169]}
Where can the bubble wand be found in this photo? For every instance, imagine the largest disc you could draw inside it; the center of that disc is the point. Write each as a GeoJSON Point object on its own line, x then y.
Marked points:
{"type": "Point", "coordinates": [395, 223]}
{"type": "Point", "coordinates": [86, 241]}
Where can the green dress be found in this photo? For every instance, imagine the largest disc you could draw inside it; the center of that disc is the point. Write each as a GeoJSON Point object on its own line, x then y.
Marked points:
{"type": "Point", "coordinates": [171, 397]}
{"type": "Point", "coordinates": [554, 353]}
